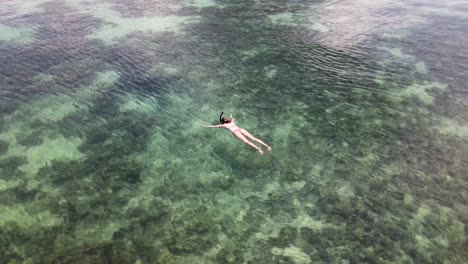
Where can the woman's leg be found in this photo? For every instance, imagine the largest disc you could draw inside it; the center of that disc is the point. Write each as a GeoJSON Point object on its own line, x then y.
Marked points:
{"type": "Point", "coordinates": [244, 132]}
{"type": "Point", "coordinates": [239, 135]}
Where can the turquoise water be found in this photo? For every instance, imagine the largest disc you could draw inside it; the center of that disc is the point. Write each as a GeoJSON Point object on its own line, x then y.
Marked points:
{"type": "Point", "coordinates": [103, 158]}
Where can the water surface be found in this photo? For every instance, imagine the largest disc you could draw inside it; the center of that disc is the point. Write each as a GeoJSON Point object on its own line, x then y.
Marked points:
{"type": "Point", "coordinates": [103, 158]}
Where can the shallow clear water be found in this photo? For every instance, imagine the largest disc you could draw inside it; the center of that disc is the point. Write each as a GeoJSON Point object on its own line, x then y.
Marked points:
{"type": "Point", "coordinates": [103, 158]}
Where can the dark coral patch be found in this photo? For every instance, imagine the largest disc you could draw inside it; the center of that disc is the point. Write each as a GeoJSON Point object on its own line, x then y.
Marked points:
{"type": "Point", "coordinates": [7, 105]}
{"type": "Point", "coordinates": [33, 138]}
{"type": "Point", "coordinates": [60, 50]}
{"type": "Point", "coordinates": [192, 236]}
{"type": "Point", "coordinates": [3, 147]}
{"type": "Point", "coordinates": [137, 54]}
{"type": "Point", "coordinates": [99, 253]}
{"type": "Point", "coordinates": [9, 166]}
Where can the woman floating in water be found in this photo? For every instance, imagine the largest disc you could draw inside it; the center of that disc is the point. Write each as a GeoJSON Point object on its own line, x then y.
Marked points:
{"type": "Point", "coordinates": [240, 133]}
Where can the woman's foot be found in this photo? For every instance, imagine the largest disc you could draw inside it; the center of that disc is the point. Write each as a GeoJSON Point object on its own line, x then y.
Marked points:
{"type": "Point", "coordinates": [269, 148]}
{"type": "Point", "coordinates": [260, 150]}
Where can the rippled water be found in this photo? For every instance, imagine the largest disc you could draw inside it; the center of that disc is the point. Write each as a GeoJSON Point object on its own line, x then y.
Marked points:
{"type": "Point", "coordinates": [103, 158]}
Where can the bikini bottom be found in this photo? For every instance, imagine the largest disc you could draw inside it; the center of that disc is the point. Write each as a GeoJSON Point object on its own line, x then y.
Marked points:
{"type": "Point", "coordinates": [235, 130]}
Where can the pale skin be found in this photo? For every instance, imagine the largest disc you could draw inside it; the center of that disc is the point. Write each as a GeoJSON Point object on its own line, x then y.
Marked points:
{"type": "Point", "coordinates": [241, 134]}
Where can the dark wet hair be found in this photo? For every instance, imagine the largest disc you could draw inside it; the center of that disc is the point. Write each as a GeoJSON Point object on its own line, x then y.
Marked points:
{"type": "Point", "coordinates": [225, 120]}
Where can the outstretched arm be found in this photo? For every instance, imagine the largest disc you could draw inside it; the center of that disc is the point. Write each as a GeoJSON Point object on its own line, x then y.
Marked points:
{"type": "Point", "coordinates": [213, 126]}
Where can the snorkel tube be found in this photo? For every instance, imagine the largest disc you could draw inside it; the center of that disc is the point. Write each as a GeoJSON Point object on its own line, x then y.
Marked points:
{"type": "Point", "coordinates": [220, 116]}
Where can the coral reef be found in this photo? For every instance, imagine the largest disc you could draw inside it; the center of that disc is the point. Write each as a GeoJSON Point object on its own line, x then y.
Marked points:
{"type": "Point", "coordinates": [3, 147]}
{"type": "Point", "coordinates": [103, 160]}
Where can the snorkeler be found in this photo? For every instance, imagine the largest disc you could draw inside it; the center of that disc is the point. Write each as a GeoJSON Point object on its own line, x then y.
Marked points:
{"type": "Point", "coordinates": [240, 133]}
